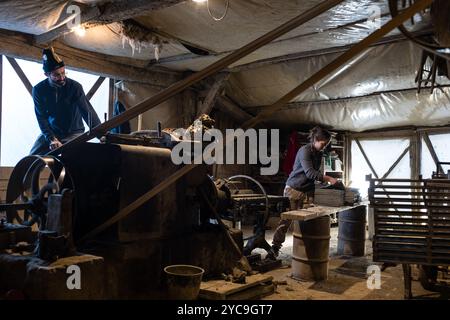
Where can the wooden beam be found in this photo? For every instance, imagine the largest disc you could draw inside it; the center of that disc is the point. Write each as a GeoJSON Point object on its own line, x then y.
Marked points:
{"type": "Point", "coordinates": [177, 88]}
{"type": "Point", "coordinates": [213, 93]}
{"type": "Point", "coordinates": [107, 13]}
{"type": "Point", "coordinates": [21, 74]}
{"type": "Point", "coordinates": [228, 106]}
{"type": "Point", "coordinates": [95, 87]}
{"type": "Point", "coordinates": [212, 69]}
{"type": "Point", "coordinates": [345, 57]}
{"type": "Point", "coordinates": [396, 163]}
{"type": "Point", "coordinates": [18, 45]}
{"type": "Point", "coordinates": [427, 140]}
{"type": "Point", "coordinates": [366, 158]}
{"type": "Point", "coordinates": [162, 96]}
{"type": "Point", "coordinates": [112, 97]}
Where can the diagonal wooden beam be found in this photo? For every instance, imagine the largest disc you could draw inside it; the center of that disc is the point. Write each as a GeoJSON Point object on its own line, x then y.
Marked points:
{"type": "Point", "coordinates": [228, 106]}
{"type": "Point", "coordinates": [366, 158]}
{"type": "Point", "coordinates": [95, 87]}
{"type": "Point", "coordinates": [395, 22]}
{"type": "Point", "coordinates": [107, 13]}
{"type": "Point", "coordinates": [396, 163]}
{"type": "Point", "coordinates": [213, 93]}
{"type": "Point", "coordinates": [427, 140]}
{"type": "Point", "coordinates": [177, 88]}
{"type": "Point", "coordinates": [21, 74]}
{"type": "Point", "coordinates": [345, 57]}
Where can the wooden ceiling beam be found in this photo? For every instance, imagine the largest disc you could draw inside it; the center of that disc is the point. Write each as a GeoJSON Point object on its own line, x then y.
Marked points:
{"type": "Point", "coordinates": [20, 45]}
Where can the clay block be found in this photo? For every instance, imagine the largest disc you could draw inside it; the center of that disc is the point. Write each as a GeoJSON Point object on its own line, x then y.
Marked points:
{"type": "Point", "coordinates": [51, 281]}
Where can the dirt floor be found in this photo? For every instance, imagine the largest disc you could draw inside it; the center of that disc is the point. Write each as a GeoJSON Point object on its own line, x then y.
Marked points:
{"type": "Point", "coordinates": [347, 278]}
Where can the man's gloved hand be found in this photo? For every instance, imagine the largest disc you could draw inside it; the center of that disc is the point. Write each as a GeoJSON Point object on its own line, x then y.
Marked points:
{"type": "Point", "coordinates": [55, 144]}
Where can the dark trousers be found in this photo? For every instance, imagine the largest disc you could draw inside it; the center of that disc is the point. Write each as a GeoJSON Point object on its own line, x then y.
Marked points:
{"type": "Point", "coordinates": [41, 146]}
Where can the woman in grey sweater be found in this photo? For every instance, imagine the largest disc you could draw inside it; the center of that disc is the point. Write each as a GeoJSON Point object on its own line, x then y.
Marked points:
{"type": "Point", "coordinates": [301, 180]}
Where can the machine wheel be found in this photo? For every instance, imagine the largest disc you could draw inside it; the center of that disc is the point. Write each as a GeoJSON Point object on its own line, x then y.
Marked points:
{"type": "Point", "coordinates": [25, 186]}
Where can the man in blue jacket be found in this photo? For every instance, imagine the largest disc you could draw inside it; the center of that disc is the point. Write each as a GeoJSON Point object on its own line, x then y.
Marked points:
{"type": "Point", "coordinates": [60, 106]}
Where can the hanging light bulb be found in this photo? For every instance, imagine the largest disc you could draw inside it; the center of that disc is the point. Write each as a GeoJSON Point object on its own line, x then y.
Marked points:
{"type": "Point", "coordinates": [79, 31]}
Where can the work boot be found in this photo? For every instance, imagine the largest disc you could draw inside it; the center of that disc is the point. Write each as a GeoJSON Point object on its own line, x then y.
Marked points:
{"type": "Point", "coordinates": [273, 253]}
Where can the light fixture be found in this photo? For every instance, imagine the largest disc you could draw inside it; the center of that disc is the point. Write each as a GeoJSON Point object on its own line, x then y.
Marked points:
{"type": "Point", "coordinates": [227, 5]}
{"type": "Point", "coordinates": [79, 31]}
{"type": "Point", "coordinates": [199, 1]}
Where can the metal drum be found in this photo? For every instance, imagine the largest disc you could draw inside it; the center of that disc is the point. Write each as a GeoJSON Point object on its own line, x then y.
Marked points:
{"type": "Point", "coordinates": [310, 249]}
{"type": "Point", "coordinates": [352, 231]}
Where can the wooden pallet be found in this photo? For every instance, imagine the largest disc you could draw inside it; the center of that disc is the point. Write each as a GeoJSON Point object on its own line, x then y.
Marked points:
{"type": "Point", "coordinates": [256, 286]}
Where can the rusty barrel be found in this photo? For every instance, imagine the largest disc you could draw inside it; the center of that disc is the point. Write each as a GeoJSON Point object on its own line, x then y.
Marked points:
{"type": "Point", "coordinates": [310, 249]}
{"type": "Point", "coordinates": [352, 231]}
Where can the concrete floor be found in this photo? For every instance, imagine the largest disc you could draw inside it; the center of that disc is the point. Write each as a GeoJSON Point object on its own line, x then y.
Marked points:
{"type": "Point", "coordinates": [347, 278]}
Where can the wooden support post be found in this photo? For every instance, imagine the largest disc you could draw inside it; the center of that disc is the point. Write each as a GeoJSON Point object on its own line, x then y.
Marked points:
{"type": "Point", "coordinates": [407, 280]}
{"type": "Point", "coordinates": [228, 106]}
{"type": "Point", "coordinates": [178, 87]}
{"type": "Point", "coordinates": [215, 91]}
{"type": "Point", "coordinates": [427, 140]}
{"type": "Point", "coordinates": [95, 87]}
{"type": "Point", "coordinates": [21, 74]}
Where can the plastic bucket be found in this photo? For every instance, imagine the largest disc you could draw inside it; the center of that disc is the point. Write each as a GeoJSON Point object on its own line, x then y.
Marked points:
{"type": "Point", "coordinates": [183, 281]}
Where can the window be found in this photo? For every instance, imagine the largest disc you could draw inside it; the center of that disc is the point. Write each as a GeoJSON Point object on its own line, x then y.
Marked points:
{"type": "Point", "coordinates": [441, 146]}
{"type": "Point", "coordinates": [382, 154]}
{"type": "Point", "coordinates": [19, 125]}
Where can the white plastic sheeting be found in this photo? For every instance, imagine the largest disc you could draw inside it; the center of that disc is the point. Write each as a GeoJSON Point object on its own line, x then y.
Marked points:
{"type": "Point", "coordinates": [345, 24]}
{"type": "Point", "coordinates": [380, 159]}
{"type": "Point", "coordinates": [382, 68]}
{"type": "Point", "coordinates": [372, 112]}
{"type": "Point", "coordinates": [106, 39]}
{"type": "Point", "coordinates": [131, 93]}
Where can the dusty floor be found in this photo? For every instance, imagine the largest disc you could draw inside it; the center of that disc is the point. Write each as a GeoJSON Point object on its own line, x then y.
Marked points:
{"type": "Point", "coordinates": [347, 278]}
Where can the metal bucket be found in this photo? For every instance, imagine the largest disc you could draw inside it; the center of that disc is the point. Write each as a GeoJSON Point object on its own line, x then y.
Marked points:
{"type": "Point", "coordinates": [352, 232]}
{"type": "Point", "coordinates": [310, 249]}
{"type": "Point", "coordinates": [183, 281]}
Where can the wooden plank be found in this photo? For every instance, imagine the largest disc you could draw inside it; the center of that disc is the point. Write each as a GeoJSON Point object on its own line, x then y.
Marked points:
{"type": "Point", "coordinates": [112, 98]}
{"type": "Point", "coordinates": [220, 289]}
{"type": "Point", "coordinates": [95, 87]}
{"type": "Point", "coordinates": [313, 212]}
{"type": "Point", "coordinates": [21, 74]}
{"type": "Point", "coordinates": [253, 293]}
{"type": "Point", "coordinates": [18, 45]}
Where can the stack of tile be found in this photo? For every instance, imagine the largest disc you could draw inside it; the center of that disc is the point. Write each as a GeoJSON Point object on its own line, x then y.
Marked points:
{"type": "Point", "coordinates": [329, 197]}
{"type": "Point", "coordinates": [351, 196]}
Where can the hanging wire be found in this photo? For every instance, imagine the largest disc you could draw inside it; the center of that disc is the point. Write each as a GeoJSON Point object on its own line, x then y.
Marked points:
{"type": "Point", "coordinates": [224, 14]}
